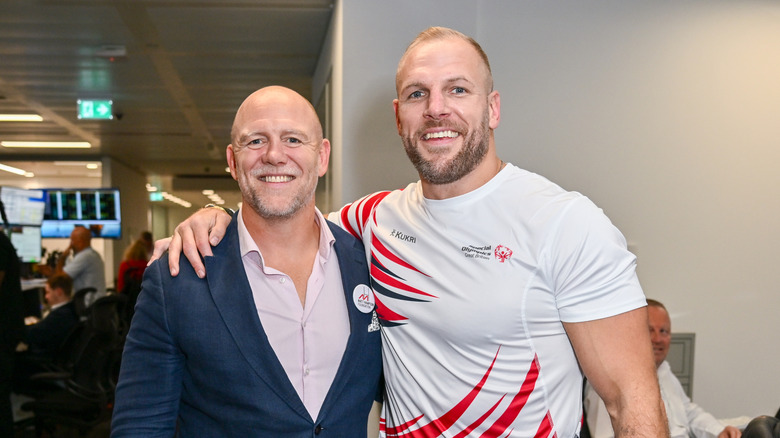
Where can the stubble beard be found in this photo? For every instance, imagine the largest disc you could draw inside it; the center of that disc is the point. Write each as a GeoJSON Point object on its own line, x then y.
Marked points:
{"type": "Point", "coordinates": [474, 150]}
{"type": "Point", "coordinates": [273, 213]}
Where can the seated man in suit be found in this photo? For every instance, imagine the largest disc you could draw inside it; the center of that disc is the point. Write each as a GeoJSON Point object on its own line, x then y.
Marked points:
{"type": "Point", "coordinates": [281, 338]}
{"type": "Point", "coordinates": [43, 338]}
{"type": "Point", "coordinates": [686, 419]}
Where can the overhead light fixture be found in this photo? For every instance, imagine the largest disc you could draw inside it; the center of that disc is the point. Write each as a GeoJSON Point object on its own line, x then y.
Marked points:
{"type": "Point", "coordinates": [87, 164]}
{"type": "Point", "coordinates": [20, 118]}
{"type": "Point", "coordinates": [111, 52]}
{"type": "Point", "coordinates": [176, 200]}
{"type": "Point", "coordinates": [46, 144]}
{"type": "Point", "coordinates": [15, 170]}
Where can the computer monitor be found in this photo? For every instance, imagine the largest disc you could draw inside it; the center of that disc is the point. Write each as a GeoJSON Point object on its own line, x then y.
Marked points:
{"type": "Point", "coordinates": [95, 209]}
{"type": "Point", "coordinates": [26, 239]}
{"type": "Point", "coordinates": [23, 206]}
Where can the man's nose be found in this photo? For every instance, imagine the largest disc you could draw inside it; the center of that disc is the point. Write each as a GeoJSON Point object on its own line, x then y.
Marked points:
{"type": "Point", "coordinates": [275, 153]}
{"type": "Point", "coordinates": [438, 106]}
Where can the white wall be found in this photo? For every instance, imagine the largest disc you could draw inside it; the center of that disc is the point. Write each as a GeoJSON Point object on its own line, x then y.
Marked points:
{"type": "Point", "coordinates": [666, 114]}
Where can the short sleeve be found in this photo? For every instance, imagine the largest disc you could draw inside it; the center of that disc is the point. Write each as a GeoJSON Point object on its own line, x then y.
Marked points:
{"type": "Point", "coordinates": [592, 272]}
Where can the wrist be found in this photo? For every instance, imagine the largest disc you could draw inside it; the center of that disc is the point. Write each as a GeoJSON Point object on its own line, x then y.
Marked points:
{"type": "Point", "coordinates": [229, 211]}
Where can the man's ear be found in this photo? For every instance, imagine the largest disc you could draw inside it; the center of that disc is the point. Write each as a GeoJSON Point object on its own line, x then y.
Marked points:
{"type": "Point", "coordinates": [494, 108]}
{"type": "Point", "coordinates": [324, 156]}
{"type": "Point", "coordinates": [397, 120]}
{"type": "Point", "coordinates": [231, 161]}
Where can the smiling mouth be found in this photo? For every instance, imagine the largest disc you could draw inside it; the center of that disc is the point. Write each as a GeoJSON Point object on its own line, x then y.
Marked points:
{"type": "Point", "coordinates": [440, 134]}
{"type": "Point", "coordinates": [276, 178]}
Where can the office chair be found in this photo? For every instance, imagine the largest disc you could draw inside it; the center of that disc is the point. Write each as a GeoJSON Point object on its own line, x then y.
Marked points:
{"type": "Point", "coordinates": [79, 299]}
{"type": "Point", "coordinates": [85, 396]}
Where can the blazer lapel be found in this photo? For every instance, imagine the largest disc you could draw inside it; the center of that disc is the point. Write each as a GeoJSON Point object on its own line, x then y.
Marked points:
{"type": "Point", "coordinates": [352, 261]}
{"type": "Point", "coordinates": [232, 296]}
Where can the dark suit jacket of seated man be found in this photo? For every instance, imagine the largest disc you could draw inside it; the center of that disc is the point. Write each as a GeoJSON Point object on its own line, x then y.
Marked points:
{"type": "Point", "coordinates": [46, 336]}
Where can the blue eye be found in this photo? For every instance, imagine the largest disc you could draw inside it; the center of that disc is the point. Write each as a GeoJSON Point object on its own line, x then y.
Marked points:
{"type": "Point", "coordinates": [458, 90]}
{"type": "Point", "coordinates": [255, 144]}
{"type": "Point", "coordinates": [416, 94]}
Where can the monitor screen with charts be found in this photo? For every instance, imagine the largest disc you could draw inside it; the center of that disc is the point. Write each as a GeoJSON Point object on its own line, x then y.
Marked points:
{"type": "Point", "coordinates": [95, 209]}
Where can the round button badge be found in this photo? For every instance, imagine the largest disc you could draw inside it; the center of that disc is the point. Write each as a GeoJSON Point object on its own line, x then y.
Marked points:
{"type": "Point", "coordinates": [363, 298]}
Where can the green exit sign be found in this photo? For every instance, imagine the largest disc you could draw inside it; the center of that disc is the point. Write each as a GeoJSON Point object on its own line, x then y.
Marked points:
{"type": "Point", "coordinates": [155, 196]}
{"type": "Point", "coordinates": [95, 109]}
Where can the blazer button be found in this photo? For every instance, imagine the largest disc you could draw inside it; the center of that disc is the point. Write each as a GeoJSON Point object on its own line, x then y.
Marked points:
{"type": "Point", "coordinates": [317, 429]}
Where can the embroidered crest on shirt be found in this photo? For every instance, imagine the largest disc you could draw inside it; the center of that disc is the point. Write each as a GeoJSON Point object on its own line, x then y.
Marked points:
{"type": "Point", "coordinates": [503, 253]}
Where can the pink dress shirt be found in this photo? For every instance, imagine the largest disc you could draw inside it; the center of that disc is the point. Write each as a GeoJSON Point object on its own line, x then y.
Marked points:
{"type": "Point", "coordinates": [309, 340]}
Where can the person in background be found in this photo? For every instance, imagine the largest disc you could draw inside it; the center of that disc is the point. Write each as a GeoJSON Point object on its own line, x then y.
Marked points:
{"type": "Point", "coordinates": [146, 238]}
{"type": "Point", "coordinates": [82, 263]}
{"type": "Point", "coordinates": [686, 419]}
{"type": "Point", "coordinates": [493, 285]}
{"type": "Point", "coordinates": [281, 340]}
{"type": "Point", "coordinates": [11, 323]}
{"type": "Point", "coordinates": [43, 338]}
{"type": "Point", "coordinates": [133, 264]}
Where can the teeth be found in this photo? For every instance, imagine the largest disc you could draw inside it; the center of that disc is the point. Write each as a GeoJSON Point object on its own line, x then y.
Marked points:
{"type": "Point", "coordinates": [441, 134]}
{"type": "Point", "coordinates": [276, 178]}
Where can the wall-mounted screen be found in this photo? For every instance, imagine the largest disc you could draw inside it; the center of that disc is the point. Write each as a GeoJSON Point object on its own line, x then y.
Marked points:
{"type": "Point", "coordinates": [26, 239]}
{"type": "Point", "coordinates": [96, 209]}
{"type": "Point", "coordinates": [23, 206]}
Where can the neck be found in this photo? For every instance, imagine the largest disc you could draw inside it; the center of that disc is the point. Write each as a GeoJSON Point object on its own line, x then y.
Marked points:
{"type": "Point", "coordinates": [277, 236]}
{"type": "Point", "coordinates": [484, 172]}
{"type": "Point", "coordinates": [58, 300]}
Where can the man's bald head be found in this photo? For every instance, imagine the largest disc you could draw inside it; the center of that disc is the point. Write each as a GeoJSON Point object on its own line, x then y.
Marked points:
{"type": "Point", "coordinates": [275, 96]}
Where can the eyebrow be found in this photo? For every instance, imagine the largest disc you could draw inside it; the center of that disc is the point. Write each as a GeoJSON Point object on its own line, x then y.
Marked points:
{"type": "Point", "coordinates": [294, 132]}
{"type": "Point", "coordinates": [449, 81]}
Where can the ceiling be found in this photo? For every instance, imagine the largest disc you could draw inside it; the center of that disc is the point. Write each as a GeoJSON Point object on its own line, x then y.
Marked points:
{"type": "Point", "coordinates": [175, 70]}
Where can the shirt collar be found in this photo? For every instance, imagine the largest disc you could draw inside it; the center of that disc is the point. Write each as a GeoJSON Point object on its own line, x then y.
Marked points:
{"type": "Point", "coordinates": [247, 245]}
{"type": "Point", "coordinates": [58, 305]}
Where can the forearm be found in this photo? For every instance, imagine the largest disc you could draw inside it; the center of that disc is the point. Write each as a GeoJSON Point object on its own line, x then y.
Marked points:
{"type": "Point", "coordinates": [59, 268]}
{"type": "Point", "coordinates": [640, 416]}
{"type": "Point", "coordinates": [701, 422]}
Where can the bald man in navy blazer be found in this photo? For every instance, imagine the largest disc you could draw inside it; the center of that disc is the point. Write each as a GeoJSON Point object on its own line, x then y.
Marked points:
{"type": "Point", "coordinates": [200, 360]}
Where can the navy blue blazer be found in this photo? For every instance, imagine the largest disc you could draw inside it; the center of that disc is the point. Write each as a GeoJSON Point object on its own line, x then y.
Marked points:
{"type": "Point", "coordinates": [197, 355]}
{"type": "Point", "coordinates": [47, 335]}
